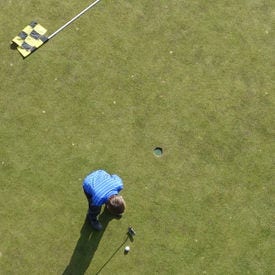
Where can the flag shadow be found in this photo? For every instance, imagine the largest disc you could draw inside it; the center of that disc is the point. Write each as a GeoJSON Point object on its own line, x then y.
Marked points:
{"type": "Point", "coordinates": [87, 245]}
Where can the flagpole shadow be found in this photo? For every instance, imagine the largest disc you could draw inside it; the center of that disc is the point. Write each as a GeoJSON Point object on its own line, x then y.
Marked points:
{"type": "Point", "coordinates": [86, 246]}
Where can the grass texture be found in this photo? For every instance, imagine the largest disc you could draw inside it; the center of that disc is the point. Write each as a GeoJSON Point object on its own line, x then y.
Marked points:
{"type": "Point", "coordinates": [195, 78]}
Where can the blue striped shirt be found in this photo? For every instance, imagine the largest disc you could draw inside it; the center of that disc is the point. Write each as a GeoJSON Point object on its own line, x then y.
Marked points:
{"type": "Point", "coordinates": [101, 186]}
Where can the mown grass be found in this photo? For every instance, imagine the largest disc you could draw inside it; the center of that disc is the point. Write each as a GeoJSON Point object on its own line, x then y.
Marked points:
{"type": "Point", "coordinates": [195, 78]}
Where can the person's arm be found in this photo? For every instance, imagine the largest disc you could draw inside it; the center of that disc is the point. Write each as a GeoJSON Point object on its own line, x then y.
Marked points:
{"type": "Point", "coordinates": [119, 183]}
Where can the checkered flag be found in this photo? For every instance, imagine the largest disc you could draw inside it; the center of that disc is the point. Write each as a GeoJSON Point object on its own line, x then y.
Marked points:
{"type": "Point", "coordinates": [30, 38]}
{"type": "Point", "coordinates": [33, 36]}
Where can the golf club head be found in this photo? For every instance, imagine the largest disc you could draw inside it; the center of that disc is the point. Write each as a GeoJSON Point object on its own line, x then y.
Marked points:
{"type": "Point", "coordinates": [131, 231]}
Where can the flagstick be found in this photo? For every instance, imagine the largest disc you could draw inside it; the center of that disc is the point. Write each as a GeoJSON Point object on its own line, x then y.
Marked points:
{"type": "Point", "coordinates": [72, 20]}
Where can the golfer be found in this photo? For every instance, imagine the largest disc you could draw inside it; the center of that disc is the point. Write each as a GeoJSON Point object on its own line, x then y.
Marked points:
{"type": "Point", "coordinates": [102, 188]}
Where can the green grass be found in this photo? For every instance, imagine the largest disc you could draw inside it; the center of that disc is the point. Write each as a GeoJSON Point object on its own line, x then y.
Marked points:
{"type": "Point", "coordinates": [193, 77]}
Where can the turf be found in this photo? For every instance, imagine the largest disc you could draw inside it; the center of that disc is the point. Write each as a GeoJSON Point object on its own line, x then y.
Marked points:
{"type": "Point", "coordinates": [195, 78]}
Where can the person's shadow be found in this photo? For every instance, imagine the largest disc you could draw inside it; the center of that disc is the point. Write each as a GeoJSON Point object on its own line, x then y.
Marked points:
{"type": "Point", "coordinates": [86, 246]}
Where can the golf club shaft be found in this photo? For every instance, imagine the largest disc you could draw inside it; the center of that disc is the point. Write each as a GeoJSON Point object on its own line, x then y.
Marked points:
{"type": "Point", "coordinates": [72, 20]}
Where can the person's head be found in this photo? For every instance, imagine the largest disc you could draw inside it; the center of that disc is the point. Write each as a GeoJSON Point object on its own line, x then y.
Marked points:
{"type": "Point", "coordinates": [116, 205]}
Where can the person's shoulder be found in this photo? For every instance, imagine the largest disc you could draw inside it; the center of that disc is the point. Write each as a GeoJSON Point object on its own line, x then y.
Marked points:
{"type": "Point", "coordinates": [98, 172]}
{"type": "Point", "coordinates": [117, 179]}
{"type": "Point", "coordinates": [102, 174]}
{"type": "Point", "coordinates": [101, 171]}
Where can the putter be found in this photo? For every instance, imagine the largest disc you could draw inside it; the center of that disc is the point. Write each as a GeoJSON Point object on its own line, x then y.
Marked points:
{"type": "Point", "coordinates": [131, 232]}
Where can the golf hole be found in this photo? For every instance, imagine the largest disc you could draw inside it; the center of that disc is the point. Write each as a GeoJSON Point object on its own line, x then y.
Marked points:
{"type": "Point", "coordinates": [158, 151]}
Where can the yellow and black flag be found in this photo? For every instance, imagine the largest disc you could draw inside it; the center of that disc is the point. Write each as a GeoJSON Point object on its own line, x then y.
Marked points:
{"type": "Point", "coordinates": [30, 38]}
{"type": "Point", "coordinates": [33, 36]}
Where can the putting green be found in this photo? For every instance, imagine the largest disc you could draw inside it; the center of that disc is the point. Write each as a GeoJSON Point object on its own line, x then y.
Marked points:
{"type": "Point", "coordinates": [192, 77]}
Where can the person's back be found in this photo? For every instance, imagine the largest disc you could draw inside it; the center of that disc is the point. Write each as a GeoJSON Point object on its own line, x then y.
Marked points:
{"type": "Point", "coordinates": [102, 188]}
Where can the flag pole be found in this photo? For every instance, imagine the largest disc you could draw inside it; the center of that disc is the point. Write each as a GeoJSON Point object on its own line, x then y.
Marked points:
{"type": "Point", "coordinates": [72, 20]}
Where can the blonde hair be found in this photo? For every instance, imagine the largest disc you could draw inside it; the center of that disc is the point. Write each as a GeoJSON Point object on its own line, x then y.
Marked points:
{"type": "Point", "coordinates": [116, 205]}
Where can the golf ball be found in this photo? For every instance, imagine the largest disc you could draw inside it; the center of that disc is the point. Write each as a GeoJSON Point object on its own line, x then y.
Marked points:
{"type": "Point", "coordinates": [127, 248]}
